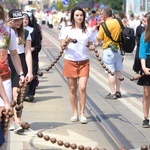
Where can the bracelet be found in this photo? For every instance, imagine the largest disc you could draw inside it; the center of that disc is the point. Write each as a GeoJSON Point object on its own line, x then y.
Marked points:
{"type": "Point", "coordinates": [21, 75]}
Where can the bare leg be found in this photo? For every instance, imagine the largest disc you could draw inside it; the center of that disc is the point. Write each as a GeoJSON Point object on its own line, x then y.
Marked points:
{"type": "Point", "coordinates": [112, 82]}
{"type": "Point", "coordinates": [15, 94]}
{"type": "Point", "coordinates": [146, 101]}
{"type": "Point", "coordinates": [118, 82]}
{"type": "Point", "coordinates": [82, 93]}
{"type": "Point", "coordinates": [72, 82]}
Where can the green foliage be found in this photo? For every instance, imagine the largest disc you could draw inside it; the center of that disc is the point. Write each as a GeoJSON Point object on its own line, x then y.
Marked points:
{"type": "Point", "coordinates": [59, 5]}
{"type": "Point", "coordinates": [116, 4]}
{"type": "Point", "coordinates": [71, 4]}
{"type": "Point", "coordinates": [14, 3]}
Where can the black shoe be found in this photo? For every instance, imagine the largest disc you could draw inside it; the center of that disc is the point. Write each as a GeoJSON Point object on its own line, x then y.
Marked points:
{"type": "Point", "coordinates": [145, 123]}
{"type": "Point", "coordinates": [118, 94]}
{"type": "Point", "coordinates": [29, 98]}
{"type": "Point", "coordinates": [111, 96]}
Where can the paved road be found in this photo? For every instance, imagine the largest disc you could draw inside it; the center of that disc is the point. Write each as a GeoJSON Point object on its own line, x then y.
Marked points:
{"type": "Point", "coordinates": [50, 112]}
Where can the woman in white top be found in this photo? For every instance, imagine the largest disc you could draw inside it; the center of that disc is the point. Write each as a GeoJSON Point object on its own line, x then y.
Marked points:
{"type": "Point", "coordinates": [7, 43]}
{"type": "Point", "coordinates": [76, 60]}
{"type": "Point", "coordinates": [24, 50]}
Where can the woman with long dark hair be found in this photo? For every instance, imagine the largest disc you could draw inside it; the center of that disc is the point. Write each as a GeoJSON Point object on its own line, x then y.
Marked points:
{"type": "Point", "coordinates": [15, 21]}
{"type": "Point", "coordinates": [144, 55]}
{"type": "Point", "coordinates": [76, 60]}
{"type": "Point", "coordinates": [33, 29]}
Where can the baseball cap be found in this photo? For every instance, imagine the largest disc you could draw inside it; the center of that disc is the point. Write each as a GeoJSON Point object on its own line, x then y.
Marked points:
{"type": "Point", "coordinates": [15, 14]}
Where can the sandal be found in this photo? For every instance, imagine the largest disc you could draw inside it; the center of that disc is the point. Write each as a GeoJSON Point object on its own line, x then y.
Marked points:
{"type": "Point", "coordinates": [118, 94]}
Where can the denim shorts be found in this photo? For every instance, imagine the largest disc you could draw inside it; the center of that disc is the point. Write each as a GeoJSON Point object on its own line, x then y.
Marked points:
{"type": "Point", "coordinates": [112, 60]}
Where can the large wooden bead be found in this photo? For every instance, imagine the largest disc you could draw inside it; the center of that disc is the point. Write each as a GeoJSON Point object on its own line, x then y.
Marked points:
{"type": "Point", "coordinates": [60, 143]}
{"type": "Point", "coordinates": [53, 140]}
{"type": "Point", "coordinates": [23, 124]}
{"type": "Point", "coordinates": [27, 126]}
{"type": "Point", "coordinates": [73, 146]}
{"type": "Point", "coordinates": [40, 74]}
{"type": "Point", "coordinates": [10, 113]}
{"type": "Point", "coordinates": [18, 90]}
{"type": "Point", "coordinates": [18, 108]}
{"type": "Point", "coordinates": [13, 103]}
{"type": "Point", "coordinates": [46, 138]}
{"type": "Point", "coordinates": [88, 148]}
{"type": "Point", "coordinates": [40, 134]}
{"type": "Point", "coordinates": [144, 147]}
{"type": "Point", "coordinates": [96, 148]}
{"type": "Point", "coordinates": [121, 78]}
{"type": "Point", "coordinates": [20, 84]}
{"type": "Point", "coordinates": [81, 147]}
{"type": "Point", "coordinates": [67, 145]}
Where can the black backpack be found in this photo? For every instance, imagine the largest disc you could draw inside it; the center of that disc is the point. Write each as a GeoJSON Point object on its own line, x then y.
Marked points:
{"type": "Point", "coordinates": [126, 39]}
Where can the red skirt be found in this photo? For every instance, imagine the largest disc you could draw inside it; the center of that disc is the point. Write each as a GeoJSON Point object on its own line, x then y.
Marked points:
{"type": "Point", "coordinates": [75, 69]}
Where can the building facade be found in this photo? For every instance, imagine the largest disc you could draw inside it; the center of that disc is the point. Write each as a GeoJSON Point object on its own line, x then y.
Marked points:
{"type": "Point", "coordinates": [137, 6]}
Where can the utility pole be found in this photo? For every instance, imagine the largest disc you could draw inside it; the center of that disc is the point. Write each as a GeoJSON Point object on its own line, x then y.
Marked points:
{"type": "Point", "coordinates": [124, 5]}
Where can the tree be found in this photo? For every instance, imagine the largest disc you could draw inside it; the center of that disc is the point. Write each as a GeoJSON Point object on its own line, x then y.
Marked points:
{"type": "Point", "coordinates": [59, 5]}
{"type": "Point", "coordinates": [116, 4]}
{"type": "Point", "coordinates": [72, 3]}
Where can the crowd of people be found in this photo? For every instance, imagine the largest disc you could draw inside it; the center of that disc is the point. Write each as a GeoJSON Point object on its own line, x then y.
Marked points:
{"type": "Point", "coordinates": [76, 59]}
{"type": "Point", "coordinates": [21, 38]}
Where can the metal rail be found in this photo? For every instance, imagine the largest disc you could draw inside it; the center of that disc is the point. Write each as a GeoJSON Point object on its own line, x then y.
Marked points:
{"type": "Point", "coordinates": [90, 108]}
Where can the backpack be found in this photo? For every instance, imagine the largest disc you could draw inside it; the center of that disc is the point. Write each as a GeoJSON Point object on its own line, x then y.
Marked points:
{"type": "Point", "coordinates": [126, 38]}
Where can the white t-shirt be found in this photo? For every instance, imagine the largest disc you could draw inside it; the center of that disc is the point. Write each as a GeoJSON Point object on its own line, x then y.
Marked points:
{"type": "Point", "coordinates": [21, 48]}
{"type": "Point", "coordinates": [14, 40]}
{"type": "Point", "coordinates": [12, 43]}
{"type": "Point", "coordinates": [77, 51]}
{"type": "Point", "coordinates": [30, 29]}
{"type": "Point", "coordinates": [3, 58]}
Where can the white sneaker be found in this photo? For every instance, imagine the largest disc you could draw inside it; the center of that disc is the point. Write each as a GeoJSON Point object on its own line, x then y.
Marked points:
{"type": "Point", "coordinates": [12, 126]}
{"type": "Point", "coordinates": [74, 119]}
{"type": "Point", "coordinates": [18, 128]}
{"type": "Point", "coordinates": [83, 120]}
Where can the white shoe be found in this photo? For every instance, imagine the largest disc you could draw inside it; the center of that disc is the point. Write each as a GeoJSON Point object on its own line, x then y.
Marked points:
{"type": "Point", "coordinates": [12, 126]}
{"type": "Point", "coordinates": [83, 120]}
{"type": "Point", "coordinates": [74, 119]}
{"type": "Point", "coordinates": [18, 128]}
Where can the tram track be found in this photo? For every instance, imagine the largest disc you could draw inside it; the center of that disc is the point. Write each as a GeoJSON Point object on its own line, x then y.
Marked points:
{"type": "Point", "coordinates": [90, 108]}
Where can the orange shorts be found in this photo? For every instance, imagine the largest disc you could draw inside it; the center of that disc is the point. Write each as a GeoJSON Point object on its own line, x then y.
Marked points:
{"type": "Point", "coordinates": [75, 69]}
